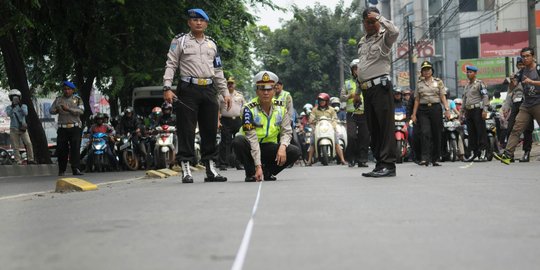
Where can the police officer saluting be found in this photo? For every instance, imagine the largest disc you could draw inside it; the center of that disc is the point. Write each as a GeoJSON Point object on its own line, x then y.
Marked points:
{"type": "Point", "coordinates": [201, 76]}
{"type": "Point", "coordinates": [264, 148]}
{"type": "Point", "coordinates": [374, 53]}
{"type": "Point", "coordinates": [69, 109]}
{"type": "Point", "coordinates": [428, 105]}
{"type": "Point", "coordinates": [475, 108]}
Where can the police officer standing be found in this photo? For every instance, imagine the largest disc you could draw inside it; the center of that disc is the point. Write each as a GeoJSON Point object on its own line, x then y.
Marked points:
{"type": "Point", "coordinates": [357, 129]}
{"type": "Point", "coordinates": [475, 108]}
{"type": "Point", "coordinates": [68, 141]}
{"type": "Point", "coordinates": [428, 109]}
{"type": "Point", "coordinates": [264, 148]}
{"type": "Point", "coordinates": [230, 122]}
{"type": "Point", "coordinates": [285, 97]}
{"type": "Point", "coordinates": [201, 76]}
{"type": "Point", "coordinates": [375, 52]}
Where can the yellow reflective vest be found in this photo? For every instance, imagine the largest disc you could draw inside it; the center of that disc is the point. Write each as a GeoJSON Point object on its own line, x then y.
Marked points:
{"type": "Point", "coordinates": [350, 86]}
{"type": "Point", "coordinates": [267, 127]}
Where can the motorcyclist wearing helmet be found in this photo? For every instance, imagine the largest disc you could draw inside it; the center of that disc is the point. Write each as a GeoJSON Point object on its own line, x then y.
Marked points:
{"type": "Point", "coordinates": [100, 126]}
{"type": "Point", "coordinates": [129, 123]}
{"type": "Point", "coordinates": [167, 116]}
{"type": "Point", "coordinates": [17, 112]}
{"type": "Point", "coordinates": [324, 110]}
{"type": "Point", "coordinates": [357, 129]}
{"type": "Point", "coordinates": [154, 117]}
{"type": "Point", "coordinates": [336, 104]}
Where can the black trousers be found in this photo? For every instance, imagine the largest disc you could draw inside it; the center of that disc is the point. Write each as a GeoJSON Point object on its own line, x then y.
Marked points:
{"type": "Point", "coordinates": [68, 144]}
{"type": "Point", "coordinates": [242, 149]}
{"type": "Point", "coordinates": [379, 110]}
{"type": "Point", "coordinates": [229, 128]}
{"type": "Point", "coordinates": [476, 125]}
{"type": "Point", "coordinates": [431, 126]}
{"type": "Point", "coordinates": [357, 138]}
{"type": "Point", "coordinates": [527, 134]}
{"type": "Point", "coordinates": [196, 104]}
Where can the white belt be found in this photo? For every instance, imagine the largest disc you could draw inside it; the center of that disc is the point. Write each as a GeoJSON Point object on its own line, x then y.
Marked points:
{"type": "Point", "coordinates": [68, 125]}
{"type": "Point", "coordinates": [197, 81]}
{"type": "Point", "coordinates": [373, 82]}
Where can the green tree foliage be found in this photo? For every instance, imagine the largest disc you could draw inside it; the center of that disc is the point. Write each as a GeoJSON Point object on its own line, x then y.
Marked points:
{"type": "Point", "coordinates": [304, 53]}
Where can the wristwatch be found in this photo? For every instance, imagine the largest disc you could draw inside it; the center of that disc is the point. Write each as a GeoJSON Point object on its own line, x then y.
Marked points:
{"type": "Point", "coordinates": [166, 88]}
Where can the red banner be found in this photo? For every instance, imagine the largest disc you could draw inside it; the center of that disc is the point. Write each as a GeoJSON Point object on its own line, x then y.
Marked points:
{"type": "Point", "coordinates": [503, 44]}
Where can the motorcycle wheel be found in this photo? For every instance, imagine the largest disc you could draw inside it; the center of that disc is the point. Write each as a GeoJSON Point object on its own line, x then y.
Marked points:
{"type": "Point", "coordinates": [453, 150]}
{"type": "Point", "coordinates": [98, 163]}
{"type": "Point", "coordinates": [325, 155]}
{"type": "Point", "coordinates": [131, 161]}
{"type": "Point", "coordinates": [399, 151]}
{"type": "Point", "coordinates": [492, 145]}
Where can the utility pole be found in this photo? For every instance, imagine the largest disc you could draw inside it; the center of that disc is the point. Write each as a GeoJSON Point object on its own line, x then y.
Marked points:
{"type": "Point", "coordinates": [531, 12]}
{"type": "Point", "coordinates": [340, 64]}
{"type": "Point", "coordinates": [412, 69]}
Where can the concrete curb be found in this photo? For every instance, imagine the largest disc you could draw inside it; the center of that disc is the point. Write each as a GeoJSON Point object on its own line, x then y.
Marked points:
{"type": "Point", "coordinates": [28, 170]}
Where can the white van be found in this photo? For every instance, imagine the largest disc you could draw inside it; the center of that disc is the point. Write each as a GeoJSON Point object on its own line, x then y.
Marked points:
{"type": "Point", "coordinates": [144, 99]}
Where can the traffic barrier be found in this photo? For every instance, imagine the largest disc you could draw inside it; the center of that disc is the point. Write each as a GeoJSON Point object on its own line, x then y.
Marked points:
{"type": "Point", "coordinates": [73, 184]}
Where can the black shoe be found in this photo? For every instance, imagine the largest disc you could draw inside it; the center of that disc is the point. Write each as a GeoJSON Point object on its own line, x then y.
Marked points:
{"type": "Point", "coordinates": [435, 164]}
{"type": "Point", "coordinates": [211, 173]}
{"type": "Point", "coordinates": [352, 164]}
{"type": "Point", "coordinates": [362, 165]}
{"type": "Point", "coordinates": [240, 167]}
{"type": "Point", "coordinates": [270, 178]}
{"type": "Point", "coordinates": [215, 178]}
{"type": "Point", "coordinates": [423, 163]}
{"type": "Point", "coordinates": [251, 179]}
{"type": "Point", "coordinates": [525, 157]}
{"type": "Point", "coordinates": [61, 173]}
{"type": "Point", "coordinates": [370, 174]}
{"type": "Point", "coordinates": [188, 179]}
{"type": "Point", "coordinates": [77, 172]}
{"type": "Point", "coordinates": [385, 172]}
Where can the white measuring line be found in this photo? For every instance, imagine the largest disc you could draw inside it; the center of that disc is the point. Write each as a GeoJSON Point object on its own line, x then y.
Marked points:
{"type": "Point", "coordinates": [50, 191]}
{"type": "Point", "coordinates": [467, 166]}
{"type": "Point", "coordinates": [242, 251]}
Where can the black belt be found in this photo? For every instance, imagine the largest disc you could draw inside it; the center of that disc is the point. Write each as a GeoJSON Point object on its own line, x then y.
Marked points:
{"type": "Point", "coordinates": [429, 104]}
{"type": "Point", "coordinates": [231, 118]}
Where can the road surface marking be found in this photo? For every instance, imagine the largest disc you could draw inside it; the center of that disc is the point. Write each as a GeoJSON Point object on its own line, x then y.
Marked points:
{"type": "Point", "coordinates": [467, 166]}
{"type": "Point", "coordinates": [242, 251]}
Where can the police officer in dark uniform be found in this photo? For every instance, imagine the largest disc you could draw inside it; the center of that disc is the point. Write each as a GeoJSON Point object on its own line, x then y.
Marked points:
{"type": "Point", "coordinates": [428, 110]}
{"type": "Point", "coordinates": [201, 77]}
{"type": "Point", "coordinates": [69, 108]}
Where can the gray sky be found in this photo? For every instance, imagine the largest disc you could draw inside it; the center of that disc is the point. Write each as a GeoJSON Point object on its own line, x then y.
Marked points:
{"type": "Point", "coordinates": [272, 18]}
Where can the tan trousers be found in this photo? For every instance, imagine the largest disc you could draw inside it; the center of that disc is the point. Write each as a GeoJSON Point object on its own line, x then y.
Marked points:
{"type": "Point", "coordinates": [16, 137]}
{"type": "Point", "coordinates": [522, 121]}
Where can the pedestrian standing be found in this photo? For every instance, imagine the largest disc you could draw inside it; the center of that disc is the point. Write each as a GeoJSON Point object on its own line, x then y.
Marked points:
{"type": "Point", "coordinates": [18, 128]}
{"type": "Point", "coordinates": [375, 53]}
{"type": "Point", "coordinates": [264, 146]}
{"type": "Point", "coordinates": [201, 77]}
{"type": "Point", "coordinates": [529, 77]}
{"type": "Point", "coordinates": [69, 108]}
{"type": "Point", "coordinates": [230, 122]}
{"type": "Point", "coordinates": [357, 128]}
{"type": "Point", "coordinates": [428, 110]}
{"type": "Point", "coordinates": [475, 109]}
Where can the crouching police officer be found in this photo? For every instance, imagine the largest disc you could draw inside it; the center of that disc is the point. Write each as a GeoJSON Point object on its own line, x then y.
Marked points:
{"type": "Point", "coordinates": [264, 144]}
{"type": "Point", "coordinates": [69, 108]}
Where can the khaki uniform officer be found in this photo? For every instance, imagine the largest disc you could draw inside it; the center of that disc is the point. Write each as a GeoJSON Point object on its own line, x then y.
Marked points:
{"type": "Point", "coordinates": [264, 146]}
{"type": "Point", "coordinates": [428, 107]}
{"type": "Point", "coordinates": [475, 108]}
{"type": "Point", "coordinates": [68, 141]}
{"type": "Point", "coordinates": [230, 122]}
{"type": "Point", "coordinates": [374, 53]}
{"type": "Point", "coordinates": [201, 77]}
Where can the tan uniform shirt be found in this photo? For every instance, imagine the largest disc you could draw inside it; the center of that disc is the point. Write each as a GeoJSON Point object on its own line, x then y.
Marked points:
{"type": "Point", "coordinates": [195, 59]}
{"type": "Point", "coordinates": [72, 115]}
{"type": "Point", "coordinates": [475, 93]}
{"type": "Point", "coordinates": [285, 136]}
{"type": "Point", "coordinates": [430, 92]}
{"type": "Point", "coordinates": [375, 51]}
{"type": "Point", "coordinates": [237, 104]}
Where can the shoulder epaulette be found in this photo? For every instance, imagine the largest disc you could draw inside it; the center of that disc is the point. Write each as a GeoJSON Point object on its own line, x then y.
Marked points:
{"type": "Point", "coordinates": [179, 35]}
{"type": "Point", "coordinates": [213, 40]}
{"type": "Point", "coordinates": [278, 102]}
{"type": "Point", "coordinates": [252, 105]}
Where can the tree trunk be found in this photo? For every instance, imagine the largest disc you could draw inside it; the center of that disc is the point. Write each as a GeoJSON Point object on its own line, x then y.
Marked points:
{"type": "Point", "coordinates": [17, 78]}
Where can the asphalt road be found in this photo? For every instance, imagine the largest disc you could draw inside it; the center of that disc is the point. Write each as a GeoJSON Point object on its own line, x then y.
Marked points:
{"type": "Point", "coordinates": [458, 216]}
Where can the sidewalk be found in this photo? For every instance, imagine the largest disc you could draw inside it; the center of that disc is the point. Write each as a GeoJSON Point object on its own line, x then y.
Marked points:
{"type": "Point", "coordinates": [28, 170]}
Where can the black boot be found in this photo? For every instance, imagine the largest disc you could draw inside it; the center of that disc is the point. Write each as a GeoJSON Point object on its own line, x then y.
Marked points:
{"type": "Point", "coordinates": [76, 171]}
{"type": "Point", "coordinates": [211, 173]}
{"type": "Point", "coordinates": [186, 172]}
{"type": "Point", "coordinates": [525, 157]}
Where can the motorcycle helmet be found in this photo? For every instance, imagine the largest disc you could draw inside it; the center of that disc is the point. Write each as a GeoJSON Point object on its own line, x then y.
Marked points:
{"type": "Point", "coordinates": [335, 102]}
{"type": "Point", "coordinates": [156, 111]}
{"type": "Point", "coordinates": [307, 108]}
{"type": "Point", "coordinates": [166, 107]}
{"type": "Point", "coordinates": [99, 118]}
{"type": "Point", "coordinates": [354, 63]}
{"type": "Point", "coordinates": [323, 97]}
{"type": "Point", "coordinates": [458, 101]}
{"type": "Point", "coordinates": [13, 93]}
{"type": "Point", "coordinates": [128, 110]}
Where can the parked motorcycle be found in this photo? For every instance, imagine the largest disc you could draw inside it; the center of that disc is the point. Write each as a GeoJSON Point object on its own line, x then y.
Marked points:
{"type": "Point", "coordinates": [401, 134]}
{"type": "Point", "coordinates": [166, 145]}
{"type": "Point", "coordinates": [342, 136]}
{"type": "Point", "coordinates": [127, 153]}
{"type": "Point", "coordinates": [324, 140]}
{"type": "Point", "coordinates": [453, 138]}
{"type": "Point", "coordinates": [99, 147]}
{"type": "Point", "coordinates": [6, 158]}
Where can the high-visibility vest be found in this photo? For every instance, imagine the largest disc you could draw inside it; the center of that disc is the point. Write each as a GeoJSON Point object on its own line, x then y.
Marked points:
{"type": "Point", "coordinates": [267, 128]}
{"type": "Point", "coordinates": [350, 87]}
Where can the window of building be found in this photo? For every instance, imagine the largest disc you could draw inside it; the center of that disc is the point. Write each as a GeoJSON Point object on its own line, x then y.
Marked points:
{"type": "Point", "coordinates": [469, 48]}
{"type": "Point", "coordinates": [468, 5]}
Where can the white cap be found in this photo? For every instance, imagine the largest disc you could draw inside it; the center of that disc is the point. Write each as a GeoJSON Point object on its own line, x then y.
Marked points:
{"type": "Point", "coordinates": [265, 79]}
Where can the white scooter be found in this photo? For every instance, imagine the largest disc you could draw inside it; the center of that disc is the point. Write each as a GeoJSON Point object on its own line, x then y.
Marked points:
{"type": "Point", "coordinates": [166, 145]}
{"type": "Point", "coordinates": [342, 136]}
{"type": "Point", "coordinates": [324, 140]}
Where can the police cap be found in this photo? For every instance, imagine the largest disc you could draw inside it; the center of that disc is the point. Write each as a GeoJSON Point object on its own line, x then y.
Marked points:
{"type": "Point", "coordinates": [69, 84]}
{"type": "Point", "coordinates": [426, 64]}
{"type": "Point", "coordinates": [198, 13]}
{"type": "Point", "coordinates": [265, 80]}
{"type": "Point", "coordinates": [471, 68]}
{"type": "Point", "coordinates": [230, 79]}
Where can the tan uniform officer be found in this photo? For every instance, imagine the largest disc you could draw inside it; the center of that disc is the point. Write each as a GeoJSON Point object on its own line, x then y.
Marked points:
{"type": "Point", "coordinates": [264, 148]}
{"type": "Point", "coordinates": [374, 53]}
{"type": "Point", "coordinates": [69, 109]}
{"type": "Point", "coordinates": [475, 108]}
{"type": "Point", "coordinates": [429, 101]}
{"type": "Point", "coordinates": [230, 122]}
{"type": "Point", "coordinates": [201, 77]}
